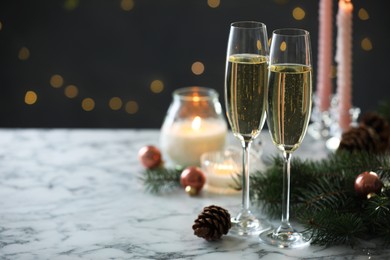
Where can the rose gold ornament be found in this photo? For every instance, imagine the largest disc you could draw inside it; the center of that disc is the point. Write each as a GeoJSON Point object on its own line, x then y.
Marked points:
{"type": "Point", "coordinates": [367, 183]}
{"type": "Point", "coordinates": [149, 156]}
{"type": "Point", "coordinates": [193, 177]}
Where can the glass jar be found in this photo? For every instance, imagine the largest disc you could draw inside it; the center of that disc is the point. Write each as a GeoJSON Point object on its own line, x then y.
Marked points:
{"type": "Point", "coordinates": [193, 125]}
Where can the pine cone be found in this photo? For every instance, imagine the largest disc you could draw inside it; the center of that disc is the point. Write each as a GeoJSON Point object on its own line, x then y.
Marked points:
{"type": "Point", "coordinates": [362, 138]}
{"type": "Point", "coordinates": [212, 223]}
{"type": "Point", "coordinates": [373, 120]}
{"type": "Point", "coordinates": [381, 127]}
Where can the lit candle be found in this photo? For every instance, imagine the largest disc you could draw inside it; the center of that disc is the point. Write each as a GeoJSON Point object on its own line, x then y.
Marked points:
{"type": "Point", "coordinates": [324, 80]}
{"type": "Point", "coordinates": [223, 175]}
{"type": "Point", "coordinates": [222, 169]}
{"type": "Point", "coordinates": [185, 141]}
{"type": "Point", "coordinates": [344, 60]}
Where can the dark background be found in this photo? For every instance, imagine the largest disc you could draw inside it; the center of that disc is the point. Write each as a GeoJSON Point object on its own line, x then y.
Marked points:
{"type": "Point", "coordinates": [107, 51]}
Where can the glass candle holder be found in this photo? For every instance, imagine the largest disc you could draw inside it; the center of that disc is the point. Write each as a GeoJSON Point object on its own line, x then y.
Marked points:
{"type": "Point", "coordinates": [223, 170]}
{"type": "Point", "coordinates": [193, 125]}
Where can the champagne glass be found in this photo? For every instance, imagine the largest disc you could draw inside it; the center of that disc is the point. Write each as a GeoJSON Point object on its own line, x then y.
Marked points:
{"type": "Point", "coordinates": [288, 114]}
{"type": "Point", "coordinates": [245, 99]}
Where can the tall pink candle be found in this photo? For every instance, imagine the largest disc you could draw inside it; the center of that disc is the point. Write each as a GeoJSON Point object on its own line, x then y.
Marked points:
{"type": "Point", "coordinates": [324, 80]}
{"type": "Point", "coordinates": [344, 60]}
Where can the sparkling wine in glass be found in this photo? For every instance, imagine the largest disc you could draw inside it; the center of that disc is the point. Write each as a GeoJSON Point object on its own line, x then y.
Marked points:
{"type": "Point", "coordinates": [245, 100]}
{"type": "Point", "coordinates": [288, 114]}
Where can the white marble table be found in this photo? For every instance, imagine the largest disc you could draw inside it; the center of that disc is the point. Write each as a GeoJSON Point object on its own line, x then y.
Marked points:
{"type": "Point", "coordinates": [76, 194]}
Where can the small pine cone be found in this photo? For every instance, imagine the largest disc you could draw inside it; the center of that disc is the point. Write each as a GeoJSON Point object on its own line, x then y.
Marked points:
{"type": "Point", "coordinates": [374, 120]}
{"type": "Point", "coordinates": [381, 127]}
{"type": "Point", "coordinates": [212, 223]}
{"type": "Point", "coordinates": [361, 138]}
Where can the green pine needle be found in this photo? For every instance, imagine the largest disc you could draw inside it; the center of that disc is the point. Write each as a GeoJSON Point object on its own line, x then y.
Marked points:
{"type": "Point", "coordinates": [323, 197]}
{"type": "Point", "coordinates": [330, 227]}
{"type": "Point", "coordinates": [161, 179]}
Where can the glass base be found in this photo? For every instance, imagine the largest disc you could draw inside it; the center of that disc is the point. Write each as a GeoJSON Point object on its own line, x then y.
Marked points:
{"type": "Point", "coordinates": [284, 239]}
{"type": "Point", "coordinates": [247, 224]}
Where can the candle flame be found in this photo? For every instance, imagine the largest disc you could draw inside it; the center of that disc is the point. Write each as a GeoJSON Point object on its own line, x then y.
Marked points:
{"type": "Point", "coordinates": [196, 98]}
{"type": "Point", "coordinates": [283, 46]}
{"type": "Point", "coordinates": [196, 123]}
{"type": "Point", "coordinates": [227, 168]}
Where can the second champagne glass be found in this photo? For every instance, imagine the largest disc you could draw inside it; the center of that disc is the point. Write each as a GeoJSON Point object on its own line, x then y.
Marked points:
{"type": "Point", "coordinates": [288, 114]}
{"type": "Point", "coordinates": [245, 99]}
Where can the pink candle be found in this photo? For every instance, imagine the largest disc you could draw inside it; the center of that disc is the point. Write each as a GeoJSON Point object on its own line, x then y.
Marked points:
{"type": "Point", "coordinates": [324, 80]}
{"type": "Point", "coordinates": [344, 60]}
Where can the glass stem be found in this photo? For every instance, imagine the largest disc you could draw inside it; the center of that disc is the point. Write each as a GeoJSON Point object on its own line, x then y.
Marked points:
{"type": "Point", "coordinates": [245, 176]}
{"type": "Point", "coordinates": [286, 193]}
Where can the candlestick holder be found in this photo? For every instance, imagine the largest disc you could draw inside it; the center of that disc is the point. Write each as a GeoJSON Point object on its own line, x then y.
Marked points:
{"type": "Point", "coordinates": [321, 121]}
{"type": "Point", "coordinates": [335, 131]}
{"type": "Point", "coordinates": [193, 125]}
{"type": "Point", "coordinates": [325, 124]}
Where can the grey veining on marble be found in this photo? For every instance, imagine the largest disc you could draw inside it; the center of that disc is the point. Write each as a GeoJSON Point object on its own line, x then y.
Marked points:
{"type": "Point", "coordinates": [76, 194]}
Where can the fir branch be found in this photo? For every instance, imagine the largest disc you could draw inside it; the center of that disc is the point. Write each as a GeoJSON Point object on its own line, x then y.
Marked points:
{"type": "Point", "coordinates": [377, 207]}
{"type": "Point", "coordinates": [385, 234]}
{"type": "Point", "coordinates": [330, 227]}
{"type": "Point", "coordinates": [325, 193]}
{"type": "Point", "coordinates": [377, 215]}
{"type": "Point", "coordinates": [323, 196]}
{"type": "Point", "coordinates": [161, 179]}
{"type": "Point", "coordinates": [266, 186]}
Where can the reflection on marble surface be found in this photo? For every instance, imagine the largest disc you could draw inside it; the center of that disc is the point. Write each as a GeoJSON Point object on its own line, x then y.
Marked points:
{"type": "Point", "coordinates": [76, 194]}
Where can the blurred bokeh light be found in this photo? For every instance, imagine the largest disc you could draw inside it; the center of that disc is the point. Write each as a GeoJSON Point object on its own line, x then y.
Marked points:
{"type": "Point", "coordinates": [99, 63]}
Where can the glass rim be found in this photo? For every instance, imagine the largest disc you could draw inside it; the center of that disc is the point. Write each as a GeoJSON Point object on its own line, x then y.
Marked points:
{"type": "Point", "coordinates": [291, 32]}
{"type": "Point", "coordinates": [241, 24]}
{"type": "Point", "coordinates": [188, 93]}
